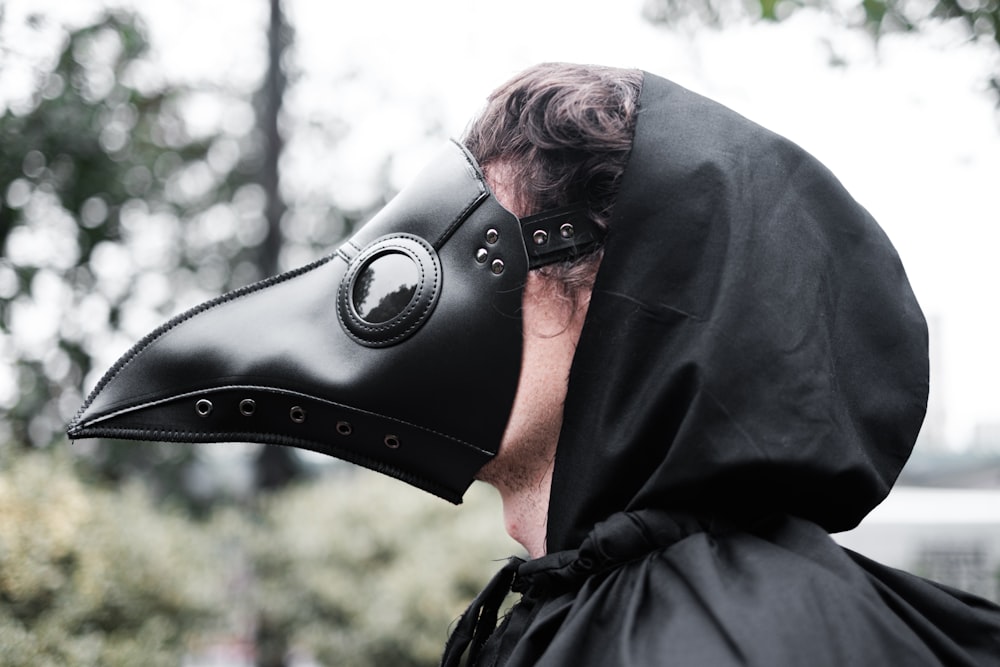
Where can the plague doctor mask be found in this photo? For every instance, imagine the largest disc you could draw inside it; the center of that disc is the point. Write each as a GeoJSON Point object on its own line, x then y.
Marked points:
{"type": "Point", "coordinates": [400, 352]}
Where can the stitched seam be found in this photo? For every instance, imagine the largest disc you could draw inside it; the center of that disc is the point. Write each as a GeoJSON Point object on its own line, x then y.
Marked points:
{"type": "Point", "coordinates": [484, 193]}
{"type": "Point", "coordinates": [284, 392]}
{"type": "Point", "coordinates": [412, 306]}
{"type": "Point", "coordinates": [289, 441]}
{"type": "Point", "coordinates": [150, 338]}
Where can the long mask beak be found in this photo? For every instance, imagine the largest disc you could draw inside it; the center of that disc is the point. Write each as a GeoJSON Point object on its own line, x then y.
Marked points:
{"type": "Point", "coordinates": [400, 352]}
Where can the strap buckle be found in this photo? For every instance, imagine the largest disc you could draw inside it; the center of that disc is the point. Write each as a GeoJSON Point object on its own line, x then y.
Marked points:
{"type": "Point", "coordinates": [560, 234]}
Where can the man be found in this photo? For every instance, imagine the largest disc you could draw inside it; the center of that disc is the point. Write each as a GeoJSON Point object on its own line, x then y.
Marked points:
{"type": "Point", "coordinates": [721, 362]}
{"type": "Point", "coordinates": [555, 135]}
{"type": "Point", "coordinates": [750, 371]}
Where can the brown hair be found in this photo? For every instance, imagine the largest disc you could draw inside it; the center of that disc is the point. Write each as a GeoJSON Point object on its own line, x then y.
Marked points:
{"type": "Point", "coordinates": [557, 134]}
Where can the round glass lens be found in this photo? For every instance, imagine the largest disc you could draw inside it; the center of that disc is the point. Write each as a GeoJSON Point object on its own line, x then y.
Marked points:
{"type": "Point", "coordinates": [385, 287]}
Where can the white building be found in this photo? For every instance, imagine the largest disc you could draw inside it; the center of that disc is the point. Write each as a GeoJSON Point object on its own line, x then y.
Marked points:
{"type": "Point", "coordinates": [949, 535]}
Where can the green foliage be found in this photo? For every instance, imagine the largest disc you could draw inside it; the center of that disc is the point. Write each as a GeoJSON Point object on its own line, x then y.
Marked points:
{"type": "Point", "coordinates": [109, 217]}
{"type": "Point", "coordinates": [90, 577]}
{"type": "Point", "coordinates": [114, 213]}
{"type": "Point", "coordinates": [362, 570]}
{"type": "Point", "coordinates": [355, 569]}
{"type": "Point", "coordinates": [980, 17]}
{"type": "Point", "coordinates": [768, 10]}
{"type": "Point", "coordinates": [118, 209]}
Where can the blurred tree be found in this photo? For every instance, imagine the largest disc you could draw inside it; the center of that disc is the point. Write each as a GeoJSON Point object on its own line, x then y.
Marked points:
{"type": "Point", "coordinates": [354, 570]}
{"type": "Point", "coordinates": [113, 213]}
{"type": "Point", "coordinates": [981, 18]}
{"type": "Point", "coordinates": [361, 570]}
{"type": "Point", "coordinates": [274, 467]}
{"type": "Point", "coordinates": [269, 101]}
{"type": "Point", "coordinates": [92, 577]}
{"type": "Point", "coordinates": [116, 212]}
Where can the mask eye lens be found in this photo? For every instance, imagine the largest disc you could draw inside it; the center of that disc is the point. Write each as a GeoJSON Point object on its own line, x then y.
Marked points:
{"type": "Point", "coordinates": [385, 287]}
{"type": "Point", "coordinates": [389, 289]}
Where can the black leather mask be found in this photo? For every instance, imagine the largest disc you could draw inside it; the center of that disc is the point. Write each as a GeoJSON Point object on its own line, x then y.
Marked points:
{"type": "Point", "coordinates": [400, 352]}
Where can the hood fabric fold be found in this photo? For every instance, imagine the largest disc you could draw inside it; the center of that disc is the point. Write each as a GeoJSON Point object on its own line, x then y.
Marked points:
{"type": "Point", "coordinates": [752, 343]}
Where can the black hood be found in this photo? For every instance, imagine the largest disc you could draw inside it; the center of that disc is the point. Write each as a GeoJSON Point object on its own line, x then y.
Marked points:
{"type": "Point", "coordinates": [752, 343]}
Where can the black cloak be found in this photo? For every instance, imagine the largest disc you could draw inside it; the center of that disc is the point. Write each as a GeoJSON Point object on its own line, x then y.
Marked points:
{"type": "Point", "coordinates": [751, 376]}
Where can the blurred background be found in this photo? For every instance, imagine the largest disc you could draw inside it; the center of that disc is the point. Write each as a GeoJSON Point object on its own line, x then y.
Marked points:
{"type": "Point", "coordinates": [154, 155]}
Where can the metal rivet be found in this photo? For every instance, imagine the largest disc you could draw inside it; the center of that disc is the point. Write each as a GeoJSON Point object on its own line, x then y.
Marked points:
{"type": "Point", "coordinates": [492, 235]}
{"type": "Point", "coordinates": [540, 237]}
{"type": "Point", "coordinates": [392, 442]}
{"type": "Point", "coordinates": [344, 428]}
{"type": "Point", "coordinates": [203, 407]}
{"type": "Point", "coordinates": [566, 230]}
{"type": "Point", "coordinates": [481, 255]}
{"type": "Point", "coordinates": [297, 414]}
{"type": "Point", "coordinates": [497, 266]}
{"type": "Point", "coordinates": [247, 407]}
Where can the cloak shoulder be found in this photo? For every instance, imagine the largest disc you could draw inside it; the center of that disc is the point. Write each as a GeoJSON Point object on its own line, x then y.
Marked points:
{"type": "Point", "coordinates": [779, 593]}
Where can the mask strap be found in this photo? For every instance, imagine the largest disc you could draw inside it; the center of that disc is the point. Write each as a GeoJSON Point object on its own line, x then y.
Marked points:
{"type": "Point", "coordinates": [560, 234]}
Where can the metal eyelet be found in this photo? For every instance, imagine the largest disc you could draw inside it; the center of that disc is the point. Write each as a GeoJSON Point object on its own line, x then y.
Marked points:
{"type": "Point", "coordinates": [497, 266]}
{"type": "Point", "coordinates": [566, 230]}
{"type": "Point", "coordinates": [344, 428]}
{"type": "Point", "coordinates": [540, 237]}
{"type": "Point", "coordinates": [203, 407]}
{"type": "Point", "coordinates": [392, 441]}
{"type": "Point", "coordinates": [492, 236]}
{"type": "Point", "coordinates": [247, 407]}
{"type": "Point", "coordinates": [297, 414]}
{"type": "Point", "coordinates": [481, 255]}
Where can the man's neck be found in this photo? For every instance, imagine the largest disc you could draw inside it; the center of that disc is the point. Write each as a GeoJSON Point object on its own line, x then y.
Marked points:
{"type": "Point", "coordinates": [525, 512]}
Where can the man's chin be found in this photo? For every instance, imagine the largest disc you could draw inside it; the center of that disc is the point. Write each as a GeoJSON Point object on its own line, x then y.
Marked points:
{"type": "Point", "coordinates": [490, 473]}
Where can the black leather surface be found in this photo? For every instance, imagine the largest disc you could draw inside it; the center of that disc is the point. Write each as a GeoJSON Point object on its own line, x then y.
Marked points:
{"type": "Point", "coordinates": [560, 235]}
{"type": "Point", "coordinates": [444, 393]}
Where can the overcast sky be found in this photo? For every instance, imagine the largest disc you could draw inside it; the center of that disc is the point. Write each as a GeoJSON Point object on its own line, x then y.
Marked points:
{"type": "Point", "coordinates": [908, 128]}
